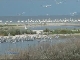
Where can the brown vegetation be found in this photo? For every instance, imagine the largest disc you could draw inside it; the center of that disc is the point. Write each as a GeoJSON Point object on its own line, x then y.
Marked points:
{"type": "Point", "coordinates": [46, 51]}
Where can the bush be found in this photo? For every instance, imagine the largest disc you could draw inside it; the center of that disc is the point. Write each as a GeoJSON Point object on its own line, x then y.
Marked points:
{"type": "Point", "coordinates": [46, 30]}
{"type": "Point", "coordinates": [14, 32]}
{"type": "Point", "coordinates": [64, 31]}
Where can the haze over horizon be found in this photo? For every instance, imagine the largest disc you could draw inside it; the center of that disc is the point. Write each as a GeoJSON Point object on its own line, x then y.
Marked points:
{"type": "Point", "coordinates": [38, 7]}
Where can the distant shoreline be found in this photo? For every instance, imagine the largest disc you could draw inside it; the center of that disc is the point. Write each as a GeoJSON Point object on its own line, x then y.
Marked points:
{"type": "Point", "coordinates": [17, 25]}
{"type": "Point", "coordinates": [42, 24]}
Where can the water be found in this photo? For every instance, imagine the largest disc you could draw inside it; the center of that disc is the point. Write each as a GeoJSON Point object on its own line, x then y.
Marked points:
{"type": "Point", "coordinates": [6, 47]}
{"type": "Point", "coordinates": [35, 11]}
{"type": "Point", "coordinates": [54, 27]}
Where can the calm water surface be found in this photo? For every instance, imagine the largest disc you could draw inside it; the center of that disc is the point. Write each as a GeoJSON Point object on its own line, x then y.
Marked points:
{"type": "Point", "coordinates": [5, 47]}
{"type": "Point", "coordinates": [54, 27]}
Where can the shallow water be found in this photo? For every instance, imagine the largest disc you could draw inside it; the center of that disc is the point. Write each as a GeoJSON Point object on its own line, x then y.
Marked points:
{"type": "Point", "coordinates": [54, 27]}
{"type": "Point", "coordinates": [6, 47]}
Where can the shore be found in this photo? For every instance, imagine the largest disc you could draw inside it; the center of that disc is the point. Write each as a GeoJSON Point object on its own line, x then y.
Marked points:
{"type": "Point", "coordinates": [42, 24]}
{"type": "Point", "coordinates": [40, 36]}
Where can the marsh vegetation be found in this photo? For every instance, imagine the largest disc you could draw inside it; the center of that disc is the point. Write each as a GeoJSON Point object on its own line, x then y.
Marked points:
{"type": "Point", "coordinates": [45, 51]}
{"type": "Point", "coordinates": [13, 31]}
{"type": "Point", "coordinates": [61, 31]}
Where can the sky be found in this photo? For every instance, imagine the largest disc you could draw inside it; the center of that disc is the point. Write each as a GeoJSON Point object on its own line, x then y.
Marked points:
{"type": "Point", "coordinates": [38, 7]}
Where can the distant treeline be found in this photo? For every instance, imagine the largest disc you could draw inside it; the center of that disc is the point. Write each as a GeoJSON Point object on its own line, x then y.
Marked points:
{"type": "Point", "coordinates": [61, 31]}
{"type": "Point", "coordinates": [9, 25]}
{"type": "Point", "coordinates": [13, 31]}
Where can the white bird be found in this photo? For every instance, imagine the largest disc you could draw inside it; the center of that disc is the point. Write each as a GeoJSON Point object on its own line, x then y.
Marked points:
{"type": "Point", "coordinates": [25, 27]}
{"type": "Point", "coordinates": [18, 21]}
{"type": "Point", "coordinates": [5, 23]}
{"type": "Point", "coordinates": [47, 6]}
{"type": "Point", "coordinates": [58, 2]}
{"type": "Point", "coordinates": [22, 21]}
{"type": "Point", "coordinates": [23, 12]}
{"type": "Point", "coordinates": [74, 13]}
{"type": "Point", "coordinates": [20, 14]}
{"type": "Point", "coordinates": [10, 21]}
{"type": "Point", "coordinates": [25, 21]}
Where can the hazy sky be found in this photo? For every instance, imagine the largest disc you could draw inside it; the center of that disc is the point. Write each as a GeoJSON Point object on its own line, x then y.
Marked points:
{"type": "Point", "coordinates": [35, 7]}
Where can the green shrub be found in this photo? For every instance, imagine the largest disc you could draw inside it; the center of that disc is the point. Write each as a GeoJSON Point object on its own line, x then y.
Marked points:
{"type": "Point", "coordinates": [46, 30]}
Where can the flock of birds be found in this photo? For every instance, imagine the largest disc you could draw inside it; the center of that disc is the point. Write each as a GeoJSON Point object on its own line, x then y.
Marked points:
{"type": "Point", "coordinates": [57, 2]}
{"type": "Point", "coordinates": [49, 5]}
{"type": "Point", "coordinates": [30, 21]}
{"type": "Point", "coordinates": [14, 39]}
{"type": "Point", "coordinates": [39, 38]}
{"type": "Point", "coordinates": [42, 21]}
{"type": "Point", "coordinates": [20, 14]}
